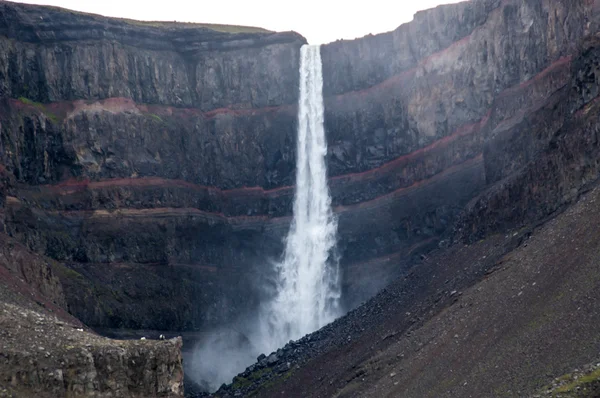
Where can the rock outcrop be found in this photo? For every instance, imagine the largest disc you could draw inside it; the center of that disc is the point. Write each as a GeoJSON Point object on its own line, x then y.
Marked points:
{"type": "Point", "coordinates": [46, 352]}
{"type": "Point", "coordinates": [44, 356]}
{"type": "Point", "coordinates": [554, 155]}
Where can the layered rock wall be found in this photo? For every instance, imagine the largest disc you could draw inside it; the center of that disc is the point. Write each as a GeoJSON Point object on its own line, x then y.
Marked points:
{"type": "Point", "coordinates": [424, 105]}
{"type": "Point", "coordinates": [556, 152]}
{"type": "Point", "coordinates": [168, 119]}
{"type": "Point", "coordinates": [158, 160]}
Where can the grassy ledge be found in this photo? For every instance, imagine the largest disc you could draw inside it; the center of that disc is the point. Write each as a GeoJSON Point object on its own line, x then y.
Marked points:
{"type": "Point", "coordinates": [40, 107]}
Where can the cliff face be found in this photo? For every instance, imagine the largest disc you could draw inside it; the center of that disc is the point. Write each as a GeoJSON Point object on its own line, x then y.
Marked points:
{"type": "Point", "coordinates": [131, 146]}
{"type": "Point", "coordinates": [470, 319]}
{"type": "Point", "coordinates": [46, 352]}
{"type": "Point", "coordinates": [45, 356]}
{"type": "Point", "coordinates": [157, 160]}
{"type": "Point", "coordinates": [52, 55]}
{"type": "Point", "coordinates": [416, 115]}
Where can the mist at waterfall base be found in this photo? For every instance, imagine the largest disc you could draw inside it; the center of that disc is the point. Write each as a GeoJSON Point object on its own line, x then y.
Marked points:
{"type": "Point", "coordinates": [306, 283]}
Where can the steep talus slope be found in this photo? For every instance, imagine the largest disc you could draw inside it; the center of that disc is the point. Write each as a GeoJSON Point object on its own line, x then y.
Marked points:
{"type": "Point", "coordinates": [501, 317]}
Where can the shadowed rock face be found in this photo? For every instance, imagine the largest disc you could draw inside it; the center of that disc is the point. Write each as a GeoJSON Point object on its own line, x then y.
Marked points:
{"type": "Point", "coordinates": [554, 159]}
{"type": "Point", "coordinates": [158, 161]}
{"type": "Point", "coordinates": [46, 352]}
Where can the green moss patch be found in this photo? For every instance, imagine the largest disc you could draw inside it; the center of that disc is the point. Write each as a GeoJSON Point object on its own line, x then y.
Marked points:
{"type": "Point", "coordinates": [577, 386]}
{"type": "Point", "coordinates": [155, 117]}
{"type": "Point", "coordinates": [65, 272]}
{"type": "Point", "coordinates": [40, 107]}
{"type": "Point", "coordinates": [240, 383]}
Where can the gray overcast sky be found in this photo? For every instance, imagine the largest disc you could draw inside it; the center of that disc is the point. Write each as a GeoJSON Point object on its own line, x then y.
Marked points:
{"type": "Point", "coordinates": [320, 21]}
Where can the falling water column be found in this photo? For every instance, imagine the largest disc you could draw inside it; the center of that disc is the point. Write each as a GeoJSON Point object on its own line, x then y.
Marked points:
{"type": "Point", "coordinates": [308, 287]}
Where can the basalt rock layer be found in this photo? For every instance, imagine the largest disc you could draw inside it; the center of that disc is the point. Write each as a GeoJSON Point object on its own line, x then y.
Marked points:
{"type": "Point", "coordinates": [157, 160]}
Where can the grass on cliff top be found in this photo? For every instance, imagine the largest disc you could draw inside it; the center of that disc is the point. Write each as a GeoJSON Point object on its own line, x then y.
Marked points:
{"type": "Point", "coordinates": [215, 27]}
{"type": "Point", "coordinates": [171, 24]}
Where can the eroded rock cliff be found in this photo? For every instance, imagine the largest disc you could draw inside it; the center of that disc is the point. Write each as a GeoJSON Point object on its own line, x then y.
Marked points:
{"type": "Point", "coordinates": [148, 168]}
{"type": "Point", "coordinates": [145, 156]}
{"type": "Point", "coordinates": [509, 304]}
{"type": "Point", "coordinates": [46, 352]}
{"type": "Point", "coordinates": [415, 114]}
{"type": "Point", "coordinates": [157, 160]}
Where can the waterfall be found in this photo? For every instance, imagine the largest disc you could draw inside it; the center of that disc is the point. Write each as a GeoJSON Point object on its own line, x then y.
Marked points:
{"type": "Point", "coordinates": [307, 287]}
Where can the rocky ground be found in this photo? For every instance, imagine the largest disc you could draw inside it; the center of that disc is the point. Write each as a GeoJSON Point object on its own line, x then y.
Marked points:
{"type": "Point", "coordinates": [503, 317]}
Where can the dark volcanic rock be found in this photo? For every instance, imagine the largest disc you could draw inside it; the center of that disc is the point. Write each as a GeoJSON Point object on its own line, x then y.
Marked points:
{"type": "Point", "coordinates": [524, 298]}
{"type": "Point", "coordinates": [554, 151]}
{"type": "Point", "coordinates": [51, 54]}
{"type": "Point", "coordinates": [536, 125]}
{"type": "Point", "coordinates": [43, 356]}
{"type": "Point", "coordinates": [157, 160]}
{"type": "Point", "coordinates": [46, 352]}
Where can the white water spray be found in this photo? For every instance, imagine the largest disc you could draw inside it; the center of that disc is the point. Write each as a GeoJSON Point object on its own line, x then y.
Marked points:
{"type": "Point", "coordinates": [308, 287]}
{"type": "Point", "coordinates": [308, 290]}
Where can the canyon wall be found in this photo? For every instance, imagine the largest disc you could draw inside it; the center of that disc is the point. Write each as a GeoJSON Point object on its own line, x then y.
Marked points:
{"type": "Point", "coordinates": [157, 160]}
{"type": "Point", "coordinates": [416, 116]}
{"type": "Point", "coordinates": [540, 162]}
{"type": "Point", "coordinates": [144, 157]}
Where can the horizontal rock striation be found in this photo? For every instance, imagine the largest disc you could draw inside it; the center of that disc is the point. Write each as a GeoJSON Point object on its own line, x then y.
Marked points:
{"type": "Point", "coordinates": [554, 162]}
{"type": "Point", "coordinates": [116, 138]}
{"type": "Point", "coordinates": [51, 54]}
{"type": "Point", "coordinates": [444, 87]}
{"type": "Point", "coordinates": [157, 160]}
{"type": "Point", "coordinates": [434, 94]}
